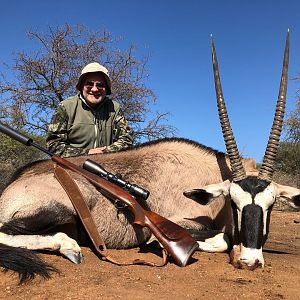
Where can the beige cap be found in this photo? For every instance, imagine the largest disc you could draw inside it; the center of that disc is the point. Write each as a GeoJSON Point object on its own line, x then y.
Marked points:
{"type": "Point", "coordinates": [94, 67]}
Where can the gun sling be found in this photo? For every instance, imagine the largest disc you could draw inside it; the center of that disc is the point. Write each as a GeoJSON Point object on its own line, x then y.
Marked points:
{"type": "Point", "coordinates": [72, 190]}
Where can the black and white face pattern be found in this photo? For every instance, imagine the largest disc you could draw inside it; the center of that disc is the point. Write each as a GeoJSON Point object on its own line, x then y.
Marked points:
{"type": "Point", "coordinates": [253, 200]}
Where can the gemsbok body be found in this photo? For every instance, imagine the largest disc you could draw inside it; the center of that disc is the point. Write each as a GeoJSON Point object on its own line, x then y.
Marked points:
{"type": "Point", "coordinates": [221, 199]}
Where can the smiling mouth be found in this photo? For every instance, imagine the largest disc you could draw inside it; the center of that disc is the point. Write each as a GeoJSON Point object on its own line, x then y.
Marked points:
{"type": "Point", "coordinates": [95, 95]}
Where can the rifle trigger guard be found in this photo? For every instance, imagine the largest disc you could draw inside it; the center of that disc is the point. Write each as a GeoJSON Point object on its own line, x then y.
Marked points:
{"type": "Point", "coordinates": [119, 205]}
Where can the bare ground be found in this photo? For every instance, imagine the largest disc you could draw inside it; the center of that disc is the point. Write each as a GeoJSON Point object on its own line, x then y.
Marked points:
{"type": "Point", "coordinates": [210, 276]}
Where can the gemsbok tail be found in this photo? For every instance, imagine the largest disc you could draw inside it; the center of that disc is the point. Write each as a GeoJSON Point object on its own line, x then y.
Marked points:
{"type": "Point", "coordinates": [25, 262]}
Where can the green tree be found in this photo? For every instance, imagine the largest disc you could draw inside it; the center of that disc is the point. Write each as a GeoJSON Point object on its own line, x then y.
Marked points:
{"type": "Point", "coordinates": [14, 155]}
{"type": "Point", "coordinates": [288, 156]}
{"type": "Point", "coordinates": [292, 125]}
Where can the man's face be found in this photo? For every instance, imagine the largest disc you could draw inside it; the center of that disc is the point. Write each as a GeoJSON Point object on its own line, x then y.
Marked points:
{"type": "Point", "coordinates": [94, 88]}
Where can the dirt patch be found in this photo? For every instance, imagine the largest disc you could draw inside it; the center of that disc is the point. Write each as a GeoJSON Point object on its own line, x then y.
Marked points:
{"type": "Point", "coordinates": [210, 276]}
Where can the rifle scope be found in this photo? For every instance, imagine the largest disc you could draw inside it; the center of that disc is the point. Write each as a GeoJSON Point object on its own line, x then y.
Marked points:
{"type": "Point", "coordinates": [133, 189]}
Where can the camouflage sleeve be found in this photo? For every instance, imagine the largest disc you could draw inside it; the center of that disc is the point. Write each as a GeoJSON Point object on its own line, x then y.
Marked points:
{"type": "Point", "coordinates": [57, 137]}
{"type": "Point", "coordinates": [122, 134]}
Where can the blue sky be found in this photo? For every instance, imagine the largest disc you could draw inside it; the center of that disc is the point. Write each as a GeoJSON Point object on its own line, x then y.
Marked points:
{"type": "Point", "coordinates": [249, 38]}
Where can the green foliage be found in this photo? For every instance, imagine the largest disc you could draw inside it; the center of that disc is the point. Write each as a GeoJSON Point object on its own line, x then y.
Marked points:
{"type": "Point", "coordinates": [14, 155]}
{"type": "Point", "coordinates": [288, 155]}
{"type": "Point", "coordinates": [292, 125]}
{"type": "Point", "coordinates": [288, 158]}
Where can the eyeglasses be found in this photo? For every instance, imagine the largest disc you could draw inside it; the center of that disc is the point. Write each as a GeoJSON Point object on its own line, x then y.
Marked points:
{"type": "Point", "coordinates": [91, 84]}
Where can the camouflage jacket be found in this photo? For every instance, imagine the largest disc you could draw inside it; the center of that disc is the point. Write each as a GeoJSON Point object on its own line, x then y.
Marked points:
{"type": "Point", "coordinates": [76, 127]}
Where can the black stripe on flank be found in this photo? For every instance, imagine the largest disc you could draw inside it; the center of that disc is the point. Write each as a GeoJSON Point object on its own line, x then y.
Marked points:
{"type": "Point", "coordinates": [252, 226]}
{"type": "Point", "coordinates": [42, 221]}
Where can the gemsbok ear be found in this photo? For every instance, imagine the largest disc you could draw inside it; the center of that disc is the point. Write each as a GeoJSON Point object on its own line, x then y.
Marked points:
{"type": "Point", "coordinates": [289, 193]}
{"type": "Point", "coordinates": [199, 195]}
{"type": "Point", "coordinates": [206, 194]}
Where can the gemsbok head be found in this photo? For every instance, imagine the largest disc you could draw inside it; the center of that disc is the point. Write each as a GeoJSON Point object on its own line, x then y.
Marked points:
{"type": "Point", "coordinates": [252, 197]}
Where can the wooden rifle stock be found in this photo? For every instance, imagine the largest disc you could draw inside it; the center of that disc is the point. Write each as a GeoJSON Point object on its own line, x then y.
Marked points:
{"type": "Point", "coordinates": [175, 239]}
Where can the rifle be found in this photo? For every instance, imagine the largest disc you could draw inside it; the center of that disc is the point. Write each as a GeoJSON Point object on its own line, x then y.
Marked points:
{"type": "Point", "coordinates": [174, 239]}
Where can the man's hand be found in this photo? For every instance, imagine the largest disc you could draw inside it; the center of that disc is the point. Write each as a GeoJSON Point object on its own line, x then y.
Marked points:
{"type": "Point", "coordinates": [97, 150]}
